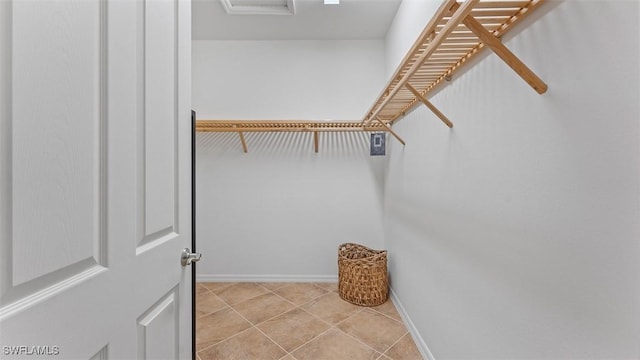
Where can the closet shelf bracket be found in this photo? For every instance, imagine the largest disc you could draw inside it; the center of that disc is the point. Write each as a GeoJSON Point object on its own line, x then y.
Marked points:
{"type": "Point", "coordinates": [242, 140]}
{"type": "Point", "coordinates": [391, 131]}
{"type": "Point", "coordinates": [431, 107]}
{"type": "Point", "coordinates": [505, 54]}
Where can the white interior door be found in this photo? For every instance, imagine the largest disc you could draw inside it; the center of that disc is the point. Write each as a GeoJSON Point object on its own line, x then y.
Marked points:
{"type": "Point", "coordinates": [94, 179]}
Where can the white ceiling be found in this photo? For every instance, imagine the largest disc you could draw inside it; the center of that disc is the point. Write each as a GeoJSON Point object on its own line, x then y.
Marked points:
{"type": "Point", "coordinates": [351, 19]}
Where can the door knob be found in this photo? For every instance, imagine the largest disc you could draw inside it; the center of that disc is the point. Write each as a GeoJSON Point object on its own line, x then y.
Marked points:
{"type": "Point", "coordinates": [187, 257]}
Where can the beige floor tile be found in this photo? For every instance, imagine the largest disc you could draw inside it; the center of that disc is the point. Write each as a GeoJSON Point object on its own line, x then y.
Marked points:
{"type": "Point", "coordinates": [240, 292]}
{"type": "Point", "coordinates": [274, 285]}
{"type": "Point", "coordinates": [250, 344]}
{"type": "Point", "coordinates": [201, 289]}
{"type": "Point", "coordinates": [329, 286]}
{"type": "Point", "coordinates": [263, 307]}
{"type": "Point", "coordinates": [215, 327]}
{"type": "Point", "coordinates": [374, 329]}
{"type": "Point", "coordinates": [405, 349]}
{"type": "Point", "coordinates": [223, 332]}
{"type": "Point", "coordinates": [207, 302]}
{"type": "Point", "coordinates": [293, 328]}
{"type": "Point", "coordinates": [217, 286]}
{"type": "Point", "coordinates": [388, 309]}
{"type": "Point", "coordinates": [331, 308]}
{"type": "Point", "coordinates": [335, 345]}
{"type": "Point", "coordinates": [300, 293]}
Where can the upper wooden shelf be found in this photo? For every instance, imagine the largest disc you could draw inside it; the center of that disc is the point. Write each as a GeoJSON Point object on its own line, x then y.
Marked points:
{"type": "Point", "coordinates": [456, 33]}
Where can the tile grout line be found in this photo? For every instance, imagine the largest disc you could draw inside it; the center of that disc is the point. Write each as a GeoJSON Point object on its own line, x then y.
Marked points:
{"type": "Point", "coordinates": [223, 308]}
{"type": "Point", "coordinates": [275, 316]}
{"type": "Point", "coordinates": [260, 331]}
{"type": "Point", "coordinates": [308, 341]}
{"type": "Point", "coordinates": [361, 342]}
{"type": "Point", "coordinates": [230, 306]}
{"type": "Point", "coordinates": [228, 285]}
{"type": "Point", "coordinates": [245, 319]}
{"type": "Point", "coordinates": [224, 340]}
{"type": "Point", "coordinates": [221, 299]}
{"type": "Point", "coordinates": [296, 307]}
{"type": "Point", "coordinates": [299, 307]}
{"type": "Point", "coordinates": [308, 301]}
{"type": "Point", "coordinates": [273, 341]}
{"type": "Point", "coordinates": [335, 326]}
{"type": "Point", "coordinates": [395, 343]}
{"type": "Point", "coordinates": [205, 348]}
{"type": "Point", "coordinates": [253, 297]}
{"type": "Point", "coordinates": [381, 313]}
{"type": "Point", "coordinates": [214, 311]}
{"type": "Point", "coordinates": [283, 298]}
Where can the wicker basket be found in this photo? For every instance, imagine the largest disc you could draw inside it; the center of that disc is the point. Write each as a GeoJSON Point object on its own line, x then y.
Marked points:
{"type": "Point", "coordinates": [362, 275]}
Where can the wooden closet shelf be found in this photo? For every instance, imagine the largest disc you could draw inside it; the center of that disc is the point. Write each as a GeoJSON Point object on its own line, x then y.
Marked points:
{"type": "Point", "coordinates": [456, 33]}
{"type": "Point", "coordinates": [283, 126]}
{"type": "Point", "coordinates": [242, 126]}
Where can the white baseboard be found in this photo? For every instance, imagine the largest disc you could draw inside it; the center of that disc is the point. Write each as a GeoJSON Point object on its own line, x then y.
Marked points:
{"type": "Point", "coordinates": [422, 346]}
{"type": "Point", "coordinates": [265, 278]}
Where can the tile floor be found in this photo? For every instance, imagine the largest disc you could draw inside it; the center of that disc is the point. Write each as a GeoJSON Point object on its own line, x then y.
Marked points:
{"type": "Point", "coordinates": [295, 321]}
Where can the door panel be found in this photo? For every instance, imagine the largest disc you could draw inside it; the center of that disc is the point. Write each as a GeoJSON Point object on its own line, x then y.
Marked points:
{"type": "Point", "coordinates": [56, 162]}
{"type": "Point", "coordinates": [103, 354]}
{"type": "Point", "coordinates": [73, 148]}
{"type": "Point", "coordinates": [157, 329]}
{"type": "Point", "coordinates": [158, 52]}
{"type": "Point", "coordinates": [94, 190]}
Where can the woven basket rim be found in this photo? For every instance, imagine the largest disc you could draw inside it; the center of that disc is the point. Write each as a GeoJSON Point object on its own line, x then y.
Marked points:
{"type": "Point", "coordinates": [371, 253]}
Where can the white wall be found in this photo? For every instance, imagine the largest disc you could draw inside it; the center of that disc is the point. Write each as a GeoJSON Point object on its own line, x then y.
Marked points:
{"type": "Point", "coordinates": [515, 235]}
{"type": "Point", "coordinates": [280, 211]}
{"type": "Point", "coordinates": [410, 20]}
{"type": "Point", "coordinates": [313, 80]}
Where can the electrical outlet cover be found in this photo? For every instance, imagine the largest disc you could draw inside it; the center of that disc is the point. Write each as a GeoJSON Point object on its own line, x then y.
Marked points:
{"type": "Point", "coordinates": [378, 144]}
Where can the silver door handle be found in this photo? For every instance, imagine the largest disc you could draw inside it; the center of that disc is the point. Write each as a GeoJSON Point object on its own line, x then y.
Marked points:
{"type": "Point", "coordinates": [187, 257]}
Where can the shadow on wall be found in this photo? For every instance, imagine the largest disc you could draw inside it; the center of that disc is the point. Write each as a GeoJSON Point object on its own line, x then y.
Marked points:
{"type": "Point", "coordinates": [287, 144]}
{"type": "Point", "coordinates": [348, 148]}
